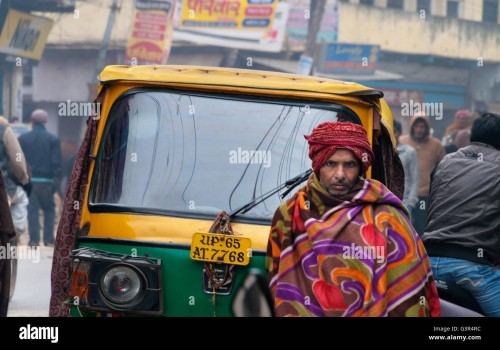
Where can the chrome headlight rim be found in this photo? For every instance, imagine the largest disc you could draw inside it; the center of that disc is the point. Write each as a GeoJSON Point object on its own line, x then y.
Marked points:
{"type": "Point", "coordinates": [117, 305]}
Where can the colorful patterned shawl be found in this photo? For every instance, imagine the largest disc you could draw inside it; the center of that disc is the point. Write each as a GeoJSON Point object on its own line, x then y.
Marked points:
{"type": "Point", "coordinates": [355, 255]}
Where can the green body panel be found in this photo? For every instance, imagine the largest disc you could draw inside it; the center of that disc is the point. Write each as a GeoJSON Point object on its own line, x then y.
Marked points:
{"type": "Point", "coordinates": [182, 280]}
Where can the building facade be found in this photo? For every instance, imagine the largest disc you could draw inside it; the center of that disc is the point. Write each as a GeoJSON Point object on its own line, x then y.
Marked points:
{"type": "Point", "coordinates": [431, 51]}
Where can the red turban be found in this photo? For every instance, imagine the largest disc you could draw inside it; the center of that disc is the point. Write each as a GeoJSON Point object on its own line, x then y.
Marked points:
{"type": "Point", "coordinates": [328, 137]}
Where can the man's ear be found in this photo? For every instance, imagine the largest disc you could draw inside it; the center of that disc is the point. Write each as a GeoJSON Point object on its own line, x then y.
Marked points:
{"type": "Point", "coordinates": [362, 174]}
{"type": "Point", "coordinates": [360, 164]}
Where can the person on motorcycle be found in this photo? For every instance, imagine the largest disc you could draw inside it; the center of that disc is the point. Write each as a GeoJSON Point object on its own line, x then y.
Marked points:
{"type": "Point", "coordinates": [462, 237]}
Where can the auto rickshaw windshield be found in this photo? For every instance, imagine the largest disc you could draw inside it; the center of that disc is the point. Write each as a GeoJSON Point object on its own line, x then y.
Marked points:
{"type": "Point", "coordinates": [199, 154]}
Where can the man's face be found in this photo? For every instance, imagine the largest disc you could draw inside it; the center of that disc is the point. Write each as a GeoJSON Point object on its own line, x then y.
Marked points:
{"type": "Point", "coordinates": [419, 130]}
{"type": "Point", "coordinates": [340, 173]}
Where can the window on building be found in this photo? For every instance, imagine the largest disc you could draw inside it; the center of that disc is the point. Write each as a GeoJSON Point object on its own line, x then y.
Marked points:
{"type": "Point", "coordinates": [490, 11]}
{"type": "Point", "coordinates": [453, 9]}
{"type": "Point", "coordinates": [28, 75]}
{"type": "Point", "coordinates": [395, 4]}
{"type": "Point", "coordinates": [367, 2]}
{"type": "Point", "coordinates": [424, 5]}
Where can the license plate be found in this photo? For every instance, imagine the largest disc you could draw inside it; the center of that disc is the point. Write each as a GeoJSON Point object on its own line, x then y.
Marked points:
{"type": "Point", "coordinates": [219, 248]}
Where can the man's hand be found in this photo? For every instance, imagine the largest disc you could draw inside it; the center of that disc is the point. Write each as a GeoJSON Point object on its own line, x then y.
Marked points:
{"type": "Point", "coordinates": [27, 188]}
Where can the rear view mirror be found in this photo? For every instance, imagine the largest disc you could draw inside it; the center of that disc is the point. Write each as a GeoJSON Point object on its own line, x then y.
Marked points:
{"type": "Point", "coordinates": [253, 298]}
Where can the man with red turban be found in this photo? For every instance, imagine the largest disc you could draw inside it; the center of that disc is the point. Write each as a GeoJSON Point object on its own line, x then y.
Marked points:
{"type": "Point", "coordinates": [343, 245]}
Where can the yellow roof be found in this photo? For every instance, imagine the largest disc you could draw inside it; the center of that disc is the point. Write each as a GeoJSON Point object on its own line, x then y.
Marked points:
{"type": "Point", "coordinates": [230, 77]}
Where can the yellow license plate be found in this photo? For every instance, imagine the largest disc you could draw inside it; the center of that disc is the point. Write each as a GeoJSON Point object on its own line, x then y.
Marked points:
{"type": "Point", "coordinates": [219, 248]}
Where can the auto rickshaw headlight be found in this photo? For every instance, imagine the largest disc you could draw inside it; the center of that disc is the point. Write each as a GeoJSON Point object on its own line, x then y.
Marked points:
{"type": "Point", "coordinates": [122, 285]}
{"type": "Point", "coordinates": [103, 281]}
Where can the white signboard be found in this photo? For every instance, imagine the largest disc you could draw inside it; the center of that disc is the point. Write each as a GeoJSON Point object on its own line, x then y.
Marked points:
{"type": "Point", "coordinates": [265, 40]}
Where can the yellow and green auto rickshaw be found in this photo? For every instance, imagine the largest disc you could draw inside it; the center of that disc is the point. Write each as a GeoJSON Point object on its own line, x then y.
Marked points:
{"type": "Point", "coordinates": [172, 148]}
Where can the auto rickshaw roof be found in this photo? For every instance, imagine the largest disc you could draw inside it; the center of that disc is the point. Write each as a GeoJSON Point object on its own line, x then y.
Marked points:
{"type": "Point", "coordinates": [227, 77]}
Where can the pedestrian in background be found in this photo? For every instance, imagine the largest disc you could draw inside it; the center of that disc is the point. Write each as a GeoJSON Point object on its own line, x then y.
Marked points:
{"type": "Point", "coordinates": [463, 121]}
{"type": "Point", "coordinates": [43, 154]}
{"type": "Point", "coordinates": [429, 154]}
{"type": "Point", "coordinates": [463, 138]}
{"type": "Point", "coordinates": [7, 232]}
{"type": "Point", "coordinates": [408, 157]}
{"type": "Point", "coordinates": [15, 174]}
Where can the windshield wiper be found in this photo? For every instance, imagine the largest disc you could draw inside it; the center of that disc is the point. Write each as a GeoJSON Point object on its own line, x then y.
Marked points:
{"type": "Point", "coordinates": [289, 185]}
